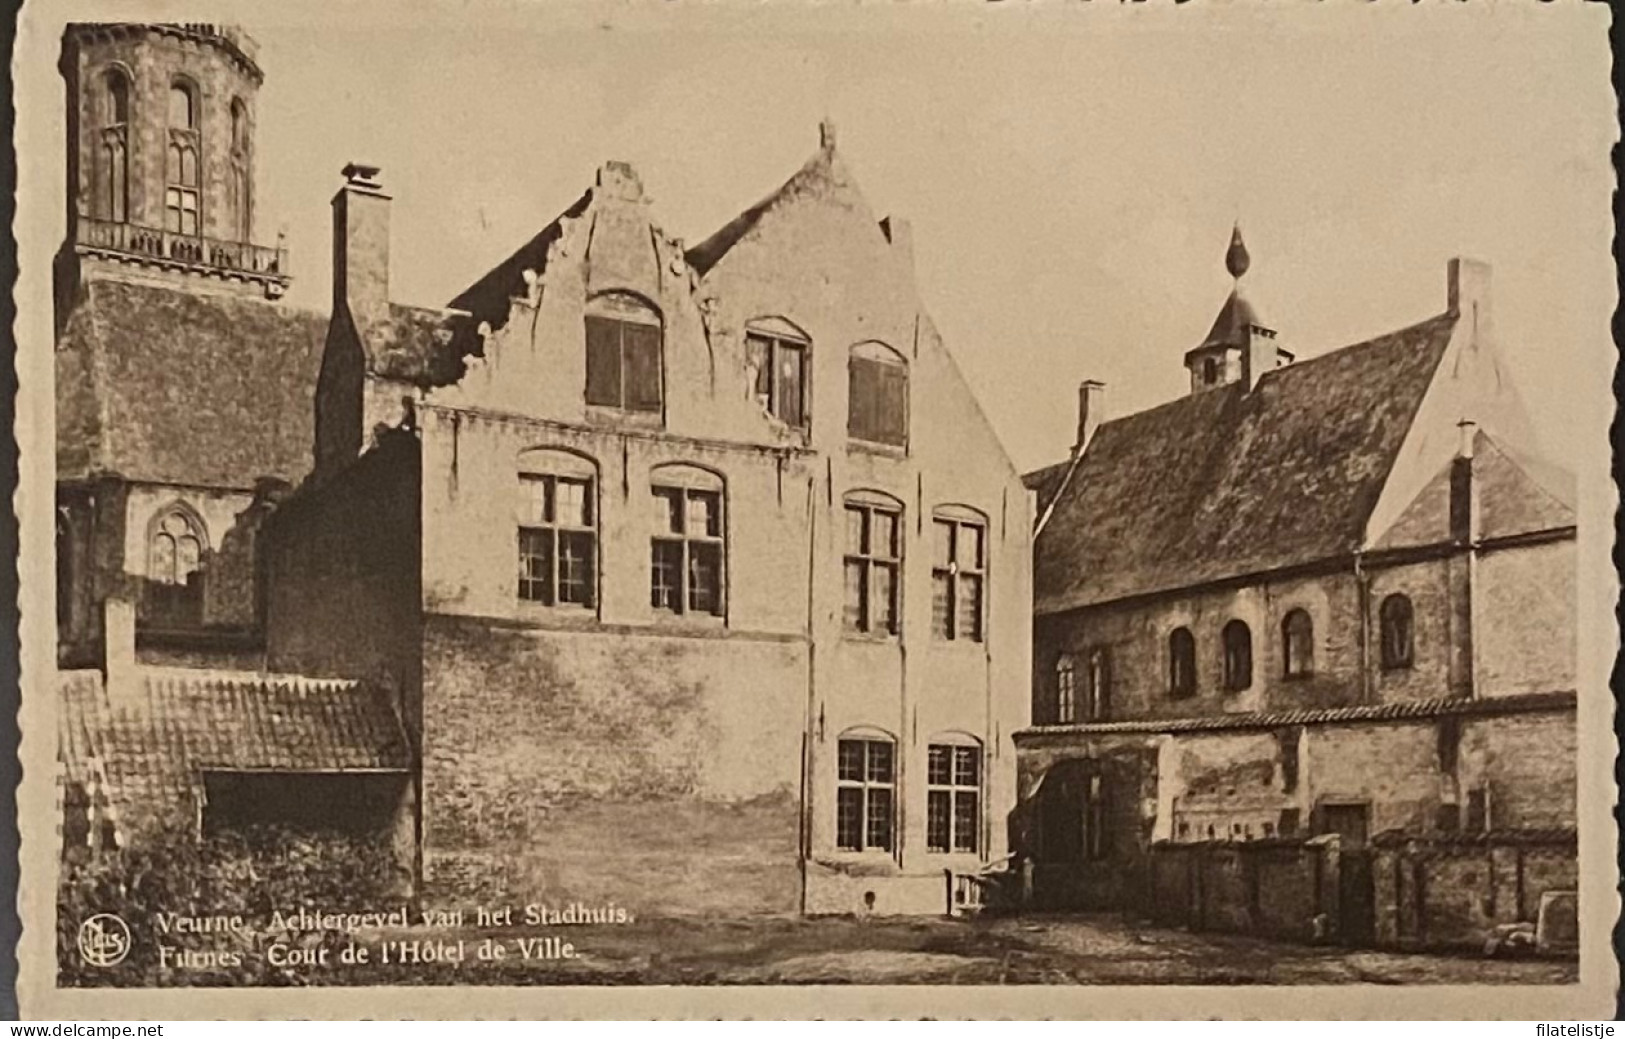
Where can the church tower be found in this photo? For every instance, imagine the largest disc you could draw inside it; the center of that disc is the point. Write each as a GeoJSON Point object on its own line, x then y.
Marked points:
{"type": "Point", "coordinates": [160, 159]}
{"type": "Point", "coordinates": [1239, 347]}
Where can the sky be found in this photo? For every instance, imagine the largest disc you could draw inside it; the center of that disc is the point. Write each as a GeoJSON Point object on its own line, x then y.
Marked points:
{"type": "Point", "coordinates": [1071, 172]}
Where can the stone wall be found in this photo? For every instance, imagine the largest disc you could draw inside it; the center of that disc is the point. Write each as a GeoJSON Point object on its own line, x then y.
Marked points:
{"type": "Point", "coordinates": [1454, 893]}
{"type": "Point", "coordinates": [343, 584]}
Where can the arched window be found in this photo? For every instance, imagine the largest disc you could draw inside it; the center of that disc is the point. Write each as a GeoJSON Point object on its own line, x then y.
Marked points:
{"type": "Point", "coordinates": [1066, 689]}
{"type": "Point", "coordinates": [874, 555]}
{"type": "Point", "coordinates": [865, 794]}
{"type": "Point", "coordinates": [1181, 663]}
{"type": "Point", "coordinates": [1098, 683]}
{"type": "Point", "coordinates": [958, 573]}
{"type": "Point", "coordinates": [181, 213]}
{"type": "Point", "coordinates": [241, 187]}
{"type": "Point", "coordinates": [113, 177]}
{"type": "Point", "coordinates": [558, 529]}
{"type": "Point", "coordinates": [877, 395]}
{"type": "Point", "coordinates": [1397, 632]}
{"type": "Point", "coordinates": [1238, 656]}
{"type": "Point", "coordinates": [1298, 644]}
{"type": "Point", "coordinates": [778, 352]}
{"type": "Point", "coordinates": [176, 545]}
{"type": "Point", "coordinates": [953, 799]}
{"type": "Point", "coordinates": [688, 549]}
{"type": "Point", "coordinates": [624, 353]}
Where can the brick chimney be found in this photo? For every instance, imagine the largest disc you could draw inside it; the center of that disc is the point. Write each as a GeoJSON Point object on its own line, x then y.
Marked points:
{"type": "Point", "coordinates": [1091, 410]}
{"type": "Point", "coordinates": [1468, 291]}
{"type": "Point", "coordinates": [361, 248]}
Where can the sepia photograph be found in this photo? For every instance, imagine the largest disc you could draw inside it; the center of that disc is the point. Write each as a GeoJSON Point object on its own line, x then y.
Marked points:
{"type": "Point", "coordinates": [727, 499]}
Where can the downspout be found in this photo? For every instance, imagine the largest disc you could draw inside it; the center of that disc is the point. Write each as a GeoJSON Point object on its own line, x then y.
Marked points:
{"type": "Point", "coordinates": [1362, 581]}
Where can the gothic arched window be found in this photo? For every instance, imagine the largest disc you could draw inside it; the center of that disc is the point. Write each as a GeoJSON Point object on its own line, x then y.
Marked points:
{"type": "Point", "coordinates": [113, 158]}
{"type": "Point", "coordinates": [241, 186]}
{"type": "Point", "coordinates": [175, 548]}
{"type": "Point", "coordinates": [182, 187]}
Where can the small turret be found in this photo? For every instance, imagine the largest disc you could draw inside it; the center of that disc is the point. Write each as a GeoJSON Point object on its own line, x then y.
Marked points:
{"type": "Point", "coordinates": [1239, 347]}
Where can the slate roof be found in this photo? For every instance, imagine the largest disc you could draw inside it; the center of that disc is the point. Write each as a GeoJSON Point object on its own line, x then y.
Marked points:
{"type": "Point", "coordinates": [1228, 482]}
{"type": "Point", "coordinates": [151, 749]}
{"type": "Point", "coordinates": [487, 299]}
{"type": "Point", "coordinates": [181, 386]}
{"type": "Point", "coordinates": [1404, 710]}
{"type": "Point", "coordinates": [814, 177]}
{"type": "Point", "coordinates": [1230, 327]}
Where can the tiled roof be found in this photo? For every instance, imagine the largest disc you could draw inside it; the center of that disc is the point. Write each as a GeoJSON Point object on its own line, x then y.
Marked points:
{"type": "Point", "coordinates": [1385, 712]}
{"type": "Point", "coordinates": [152, 748]}
{"type": "Point", "coordinates": [1228, 482]}
{"type": "Point", "coordinates": [164, 384]}
{"type": "Point", "coordinates": [1563, 836]}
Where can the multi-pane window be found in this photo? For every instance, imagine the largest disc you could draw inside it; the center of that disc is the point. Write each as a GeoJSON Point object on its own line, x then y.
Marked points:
{"type": "Point", "coordinates": [558, 542]}
{"type": "Point", "coordinates": [1298, 644]}
{"type": "Point", "coordinates": [623, 354]}
{"type": "Point", "coordinates": [873, 555]}
{"type": "Point", "coordinates": [877, 395]}
{"type": "Point", "coordinates": [1238, 656]}
{"type": "Point", "coordinates": [958, 570]}
{"type": "Point", "coordinates": [1066, 689]}
{"type": "Point", "coordinates": [866, 786]}
{"type": "Point", "coordinates": [1181, 663]}
{"type": "Point", "coordinates": [686, 553]}
{"type": "Point", "coordinates": [181, 193]}
{"type": "Point", "coordinates": [1098, 683]}
{"type": "Point", "coordinates": [115, 146]}
{"type": "Point", "coordinates": [953, 815]}
{"type": "Point", "coordinates": [780, 364]}
{"type": "Point", "coordinates": [1396, 623]}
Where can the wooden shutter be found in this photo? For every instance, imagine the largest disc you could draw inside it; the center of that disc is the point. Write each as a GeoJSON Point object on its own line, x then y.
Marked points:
{"type": "Point", "coordinates": [642, 359]}
{"type": "Point", "coordinates": [891, 403]}
{"type": "Point", "coordinates": [860, 416]}
{"type": "Point", "coordinates": [603, 361]}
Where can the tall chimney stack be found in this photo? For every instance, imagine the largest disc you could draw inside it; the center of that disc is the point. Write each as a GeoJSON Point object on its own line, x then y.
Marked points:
{"type": "Point", "coordinates": [1091, 409]}
{"type": "Point", "coordinates": [361, 248]}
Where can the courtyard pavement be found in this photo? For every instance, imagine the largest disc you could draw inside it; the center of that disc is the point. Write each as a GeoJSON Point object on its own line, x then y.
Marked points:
{"type": "Point", "coordinates": [1062, 950]}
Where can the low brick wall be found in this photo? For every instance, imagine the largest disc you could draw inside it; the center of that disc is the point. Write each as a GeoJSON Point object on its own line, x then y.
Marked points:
{"type": "Point", "coordinates": [1451, 892]}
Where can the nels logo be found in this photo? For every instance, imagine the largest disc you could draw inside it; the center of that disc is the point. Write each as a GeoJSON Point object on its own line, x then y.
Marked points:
{"type": "Point", "coordinates": [104, 940]}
